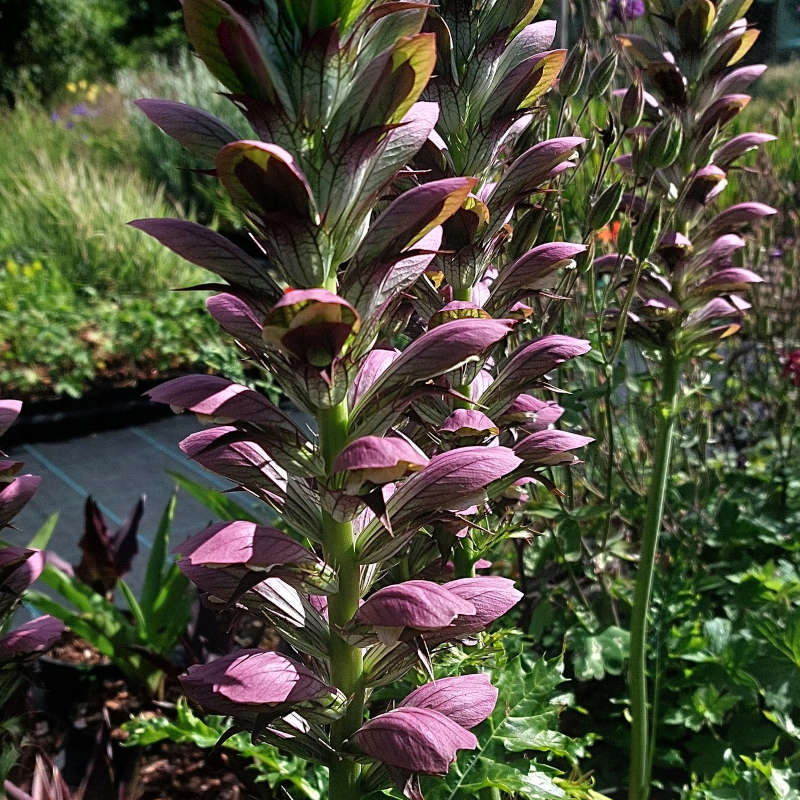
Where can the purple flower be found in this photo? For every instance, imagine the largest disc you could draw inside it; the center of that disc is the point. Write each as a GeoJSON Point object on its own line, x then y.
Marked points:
{"type": "Point", "coordinates": [9, 411]}
{"type": "Point", "coordinates": [625, 10]}
{"type": "Point", "coordinates": [468, 423]}
{"type": "Point", "coordinates": [377, 460]}
{"type": "Point", "coordinates": [259, 550]}
{"type": "Point", "coordinates": [248, 683]}
{"type": "Point", "coordinates": [531, 413]}
{"type": "Point", "coordinates": [467, 699]}
{"type": "Point", "coordinates": [739, 145]}
{"type": "Point", "coordinates": [417, 740]}
{"type": "Point", "coordinates": [731, 279]}
{"type": "Point", "coordinates": [31, 639]}
{"type": "Point", "coordinates": [415, 606]}
{"type": "Point", "coordinates": [491, 595]}
{"type": "Point", "coordinates": [245, 463]}
{"type": "Point", "coordinates": [216, 399]}
{"type": "Point", "coordinates": [19, 568]}
{"type": "Point", "coordinates": [236, 317]}
{"type": "Point", "coordinates": [16, 495]}
{"type": "Point", "coordinates": [311, 324]}
{"type": "Point", "coordinates": [550, 447]}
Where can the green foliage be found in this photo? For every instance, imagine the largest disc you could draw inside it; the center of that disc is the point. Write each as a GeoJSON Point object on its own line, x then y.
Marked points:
{"type": "Point", "coordinates": [520, 749]}
{"type": "Point", "coordinates": [160, 157]}
{"type": "Point", "coordinates": [82, 300]}
{"type": "Point", "coordinates": [46, 43]}
{"type": "Point", "coordinates": [595, 655]}
{"type": "Point", "coordinates": [525, 722]}
{"type": "Point", "coordinates": [65, 342]}
{"type": "Point", "coordinates": [138, 642]}
{"type": "Point", "coordinates": [300, 777]}
{"type": "Point", "coordinates": [219, 503]}
{"type": "Point", "coordinates": [70, 213]}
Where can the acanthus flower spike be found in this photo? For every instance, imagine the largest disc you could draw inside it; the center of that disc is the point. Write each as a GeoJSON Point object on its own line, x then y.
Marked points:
{"type": "Point", "coordinates": [357, 248]}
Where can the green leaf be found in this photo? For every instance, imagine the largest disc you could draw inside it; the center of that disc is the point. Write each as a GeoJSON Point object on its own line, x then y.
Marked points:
{"type": "Point", "coordinates": [187, 728]}
{"type": "Point", "coordinates": [154, 576]}
{"type": "Point", "coordinates": [138, 617]}
{"type": "Point", "coordinates": [42, 537]}
{"type": "Point", "coordinates": [594, 655]}
{"type": "Point", "coordinates": [86, 628]}
{"type": "Point", "coordinates": [524, 720]}
{"type": "Point", "coordinates": [218, 503]}
{"type": "Point", "coordinates": [171, 611]}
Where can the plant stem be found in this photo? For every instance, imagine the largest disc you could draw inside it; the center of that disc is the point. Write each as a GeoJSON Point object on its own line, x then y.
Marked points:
{"type": "Point", "coordinates": [639, 788]}
{"type": "Point", "coordinates": [346, 661]}
{"type": "Point", "coordinates": [463, 556]}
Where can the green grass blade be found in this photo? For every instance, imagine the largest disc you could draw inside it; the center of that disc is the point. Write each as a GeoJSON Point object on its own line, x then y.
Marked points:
{"type": "Point", "coordinates": [217, 502]}
{"type": "Point", "coordinates": [136, 610]}
{"type": "Point", "coordinates": [155, 564]}
{"type": "Point", "coordinates": [42, 537]}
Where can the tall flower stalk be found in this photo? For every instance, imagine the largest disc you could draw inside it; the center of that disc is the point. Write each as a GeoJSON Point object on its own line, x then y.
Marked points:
{"type": "Point", "coordinates": [351, 238]}
{"type": "Point", "coordinates": [679, 273]}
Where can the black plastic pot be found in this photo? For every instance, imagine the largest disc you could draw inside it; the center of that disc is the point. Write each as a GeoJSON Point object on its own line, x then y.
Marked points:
{"type": "Point", "coordinates": [97, 410]}
{"type": "Point", "coordinates": [60, 686]}
{"type": "Point", "coordinates": [64, 683]}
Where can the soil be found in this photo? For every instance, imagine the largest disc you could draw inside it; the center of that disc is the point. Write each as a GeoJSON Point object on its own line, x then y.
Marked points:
{"type": "Point", "coordinates": [88, 747]}
{"type": "Point", "coordinates": [79, 730]}
{"type": "Point", "coordinates": [183, 772]}
{"type": "Point", "coordinates": [73, 650]}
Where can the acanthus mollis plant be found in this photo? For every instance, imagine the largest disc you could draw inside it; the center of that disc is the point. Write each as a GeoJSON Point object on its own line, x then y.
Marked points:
{"type": "Point", "coordinates": [19, 568]}
{"type": "Point", "coordinates": [678, 272]}
{"type": "Point", "coordinates": [341, 230]}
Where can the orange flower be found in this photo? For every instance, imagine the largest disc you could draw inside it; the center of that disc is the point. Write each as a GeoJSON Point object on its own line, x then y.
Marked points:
{"type": "Point", "coordinates": [606, 234]}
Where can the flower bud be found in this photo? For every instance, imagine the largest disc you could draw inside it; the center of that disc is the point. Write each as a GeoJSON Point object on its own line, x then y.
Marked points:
{"type": "Point", "coordinates": [606, 206]}
{"type": "Point", "coordinates": [312, 324]}
{"type": "Point", "coordinates": [721, 112]}
{"type": "Point", "coordinates": [664, 144]}
{"type": "Point", "coordinates": [571, 78]}
{"type": "Point", "coordinates": [647, 230]}
{"type": "Point", "coordinates": [733, 46]}
{"type": "Point", "coordinates": [693, 22]}
{"type": "Point", "coordinates": [632, 105]}
{"type": "Point", "coordinates": [602, 75]}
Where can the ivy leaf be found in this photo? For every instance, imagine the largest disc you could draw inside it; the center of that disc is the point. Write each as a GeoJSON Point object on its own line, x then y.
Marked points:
{"type": "Point", "coordinates": [595, 655]}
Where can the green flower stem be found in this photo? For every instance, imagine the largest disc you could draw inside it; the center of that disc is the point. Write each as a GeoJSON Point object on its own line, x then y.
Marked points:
{"type": "Point", "coordinates": [463, 556]}
{"type": "Point", "coordinates": [463, 294]}
{"type": "Point", "coordinates": [346, 661]}
{"type": "Point", "coordinates": [639, 788]}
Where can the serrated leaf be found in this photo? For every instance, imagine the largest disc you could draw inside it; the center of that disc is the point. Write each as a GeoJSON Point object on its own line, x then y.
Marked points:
{"type": "Point", "coordinates": [525, 719]}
